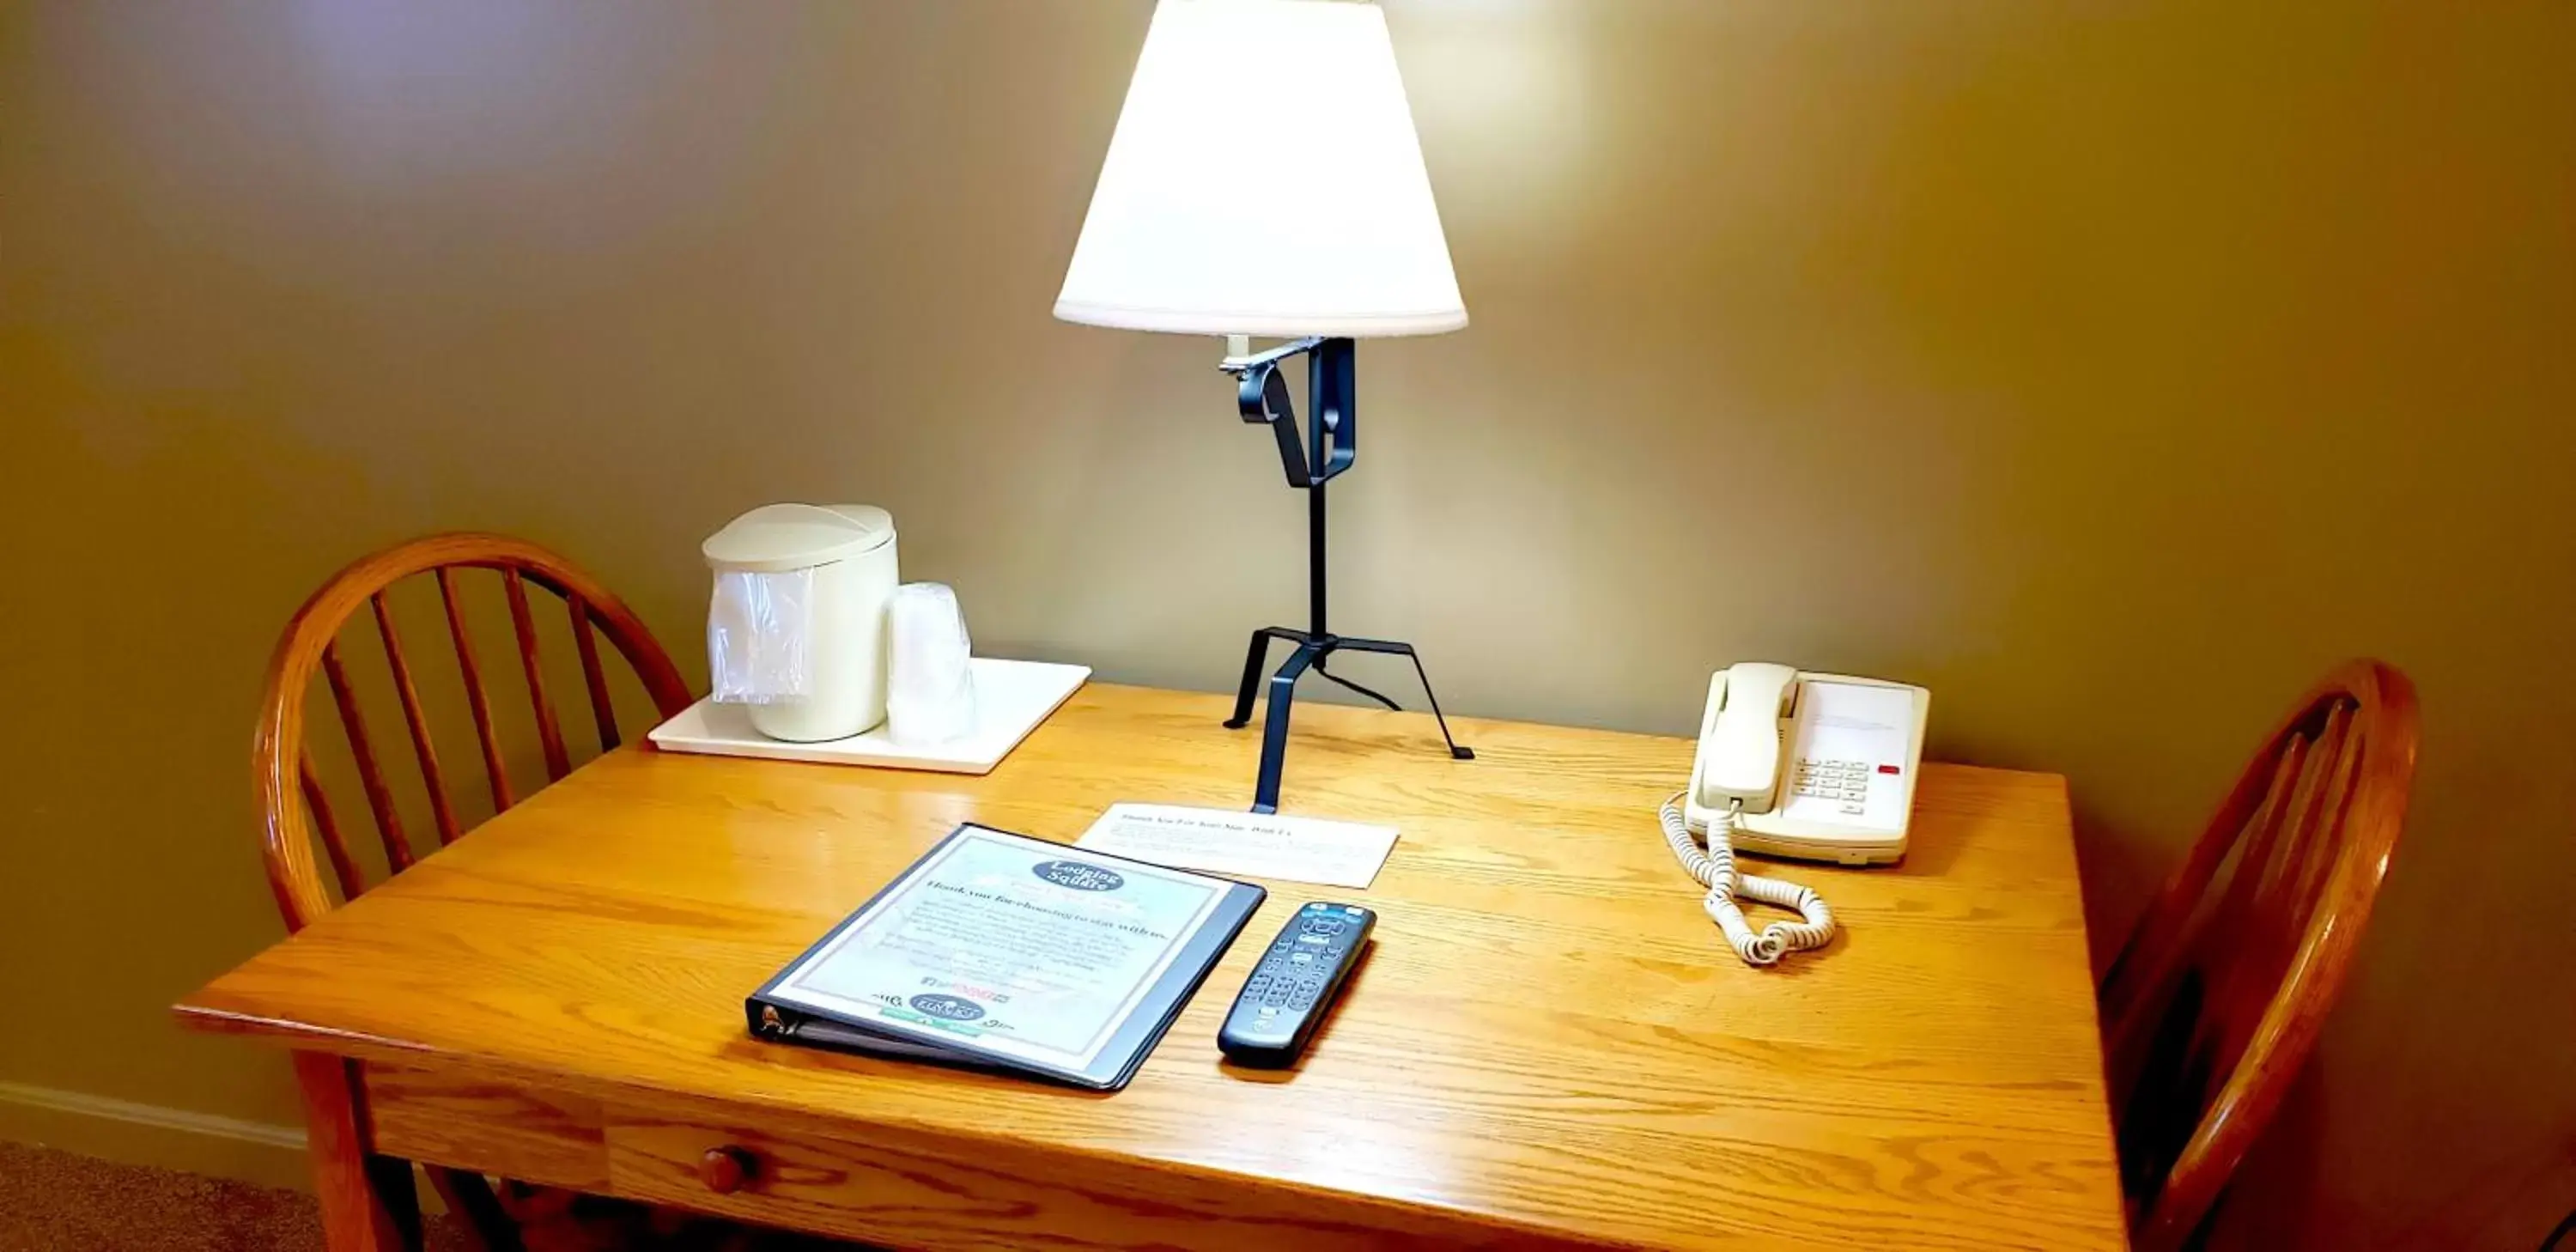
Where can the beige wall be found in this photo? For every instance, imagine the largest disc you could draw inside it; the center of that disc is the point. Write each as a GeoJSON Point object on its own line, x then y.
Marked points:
{"type": "Point", "coordinates": [2111, 369]}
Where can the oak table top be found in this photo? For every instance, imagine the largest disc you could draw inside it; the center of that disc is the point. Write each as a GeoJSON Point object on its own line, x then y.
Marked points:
{"type": "Point", "coordinates": [1549, 1044]}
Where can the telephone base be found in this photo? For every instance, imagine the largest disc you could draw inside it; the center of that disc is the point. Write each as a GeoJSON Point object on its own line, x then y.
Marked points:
{"type": "Point", "coordinates": [1311, 652]}
{"type": "Point", "coordinates": [1764, 835]}
{"type": "Point", "coordinates": [1822, 768]}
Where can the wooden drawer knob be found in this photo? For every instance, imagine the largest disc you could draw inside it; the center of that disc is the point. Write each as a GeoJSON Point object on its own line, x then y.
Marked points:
{"type": "Point", "coordinates": [726, 1169]}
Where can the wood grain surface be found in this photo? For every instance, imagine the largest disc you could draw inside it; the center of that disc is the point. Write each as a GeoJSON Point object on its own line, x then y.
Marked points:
{"type": "Point", "coordinates": [367, 1200]}
{"type": "Point", "coordinates": [1548, 1045]}
{"type": "Point", "coordinates": [488, 1126]}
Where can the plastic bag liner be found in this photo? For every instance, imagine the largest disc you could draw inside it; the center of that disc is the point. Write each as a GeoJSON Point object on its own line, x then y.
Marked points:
{"type": "Point", "coordinates": [757, 625]}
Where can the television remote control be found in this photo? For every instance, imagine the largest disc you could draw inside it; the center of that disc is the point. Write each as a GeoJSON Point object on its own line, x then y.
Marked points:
{"type": "Point", "coordinates": [1294, 985]}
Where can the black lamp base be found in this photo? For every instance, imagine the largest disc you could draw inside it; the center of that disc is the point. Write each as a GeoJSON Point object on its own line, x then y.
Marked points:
{"type": "Point", "coordinates": [1310, 654]}
{"type": "Point", "coordinates": [1332, 392]}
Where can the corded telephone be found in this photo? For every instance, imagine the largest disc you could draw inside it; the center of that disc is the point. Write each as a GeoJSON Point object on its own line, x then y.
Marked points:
{"type": "Point", "coordinates": [1820, 766]}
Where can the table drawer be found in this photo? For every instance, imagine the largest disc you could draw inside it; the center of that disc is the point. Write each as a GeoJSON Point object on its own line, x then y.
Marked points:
{"type": "Point", "coordinates": [911, 1192]}
{"type": "Point", "coordinates": [487, 1126]}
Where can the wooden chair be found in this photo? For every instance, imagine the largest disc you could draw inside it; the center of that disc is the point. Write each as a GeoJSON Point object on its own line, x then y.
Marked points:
{"type": "Point", "coordinates": [2216, 999]}
{"type": "Point", "coordinates": [296, 814]}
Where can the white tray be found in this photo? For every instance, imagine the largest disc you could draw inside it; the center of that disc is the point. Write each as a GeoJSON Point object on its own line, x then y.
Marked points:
{"type": "Point", "coordinates": [1011, 698]}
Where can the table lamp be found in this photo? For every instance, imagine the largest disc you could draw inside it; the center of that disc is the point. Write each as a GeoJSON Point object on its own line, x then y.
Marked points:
{"type": "Point", "coordinates": [1194, 228]}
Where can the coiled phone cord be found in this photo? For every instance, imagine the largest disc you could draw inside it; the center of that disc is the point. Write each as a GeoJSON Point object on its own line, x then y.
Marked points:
{"type": "Point", "coordinates": [1715, 869]}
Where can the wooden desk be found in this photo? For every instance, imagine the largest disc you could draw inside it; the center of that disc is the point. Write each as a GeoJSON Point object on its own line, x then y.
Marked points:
{"type": "Point", "coordinates": [1550, 1045]}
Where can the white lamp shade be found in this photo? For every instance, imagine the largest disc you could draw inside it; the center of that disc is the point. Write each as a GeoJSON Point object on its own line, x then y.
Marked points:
{"type": "Point", "coordinates": [1264, 179]}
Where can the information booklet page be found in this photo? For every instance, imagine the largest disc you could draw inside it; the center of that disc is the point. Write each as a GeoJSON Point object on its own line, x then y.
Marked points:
{"type": "Point", "coordinates": [1006, 946]}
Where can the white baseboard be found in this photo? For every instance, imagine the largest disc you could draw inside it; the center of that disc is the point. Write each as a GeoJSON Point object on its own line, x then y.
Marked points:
{"type": "Point", "coordinates": [150, 1134]}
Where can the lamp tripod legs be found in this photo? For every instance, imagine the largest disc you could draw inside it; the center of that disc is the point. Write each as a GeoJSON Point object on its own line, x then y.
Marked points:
{"type": "Point", "coordinates": [1312, 650]}
{"type": "Point", "coordinates": [1253, 659]}
{"type": "Point", "coordinates": [1405, 650]}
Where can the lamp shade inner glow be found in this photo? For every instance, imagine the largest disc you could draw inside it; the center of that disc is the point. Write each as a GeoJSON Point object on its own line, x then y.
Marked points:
{"type": "Point", "coordinates": [1264, 179]}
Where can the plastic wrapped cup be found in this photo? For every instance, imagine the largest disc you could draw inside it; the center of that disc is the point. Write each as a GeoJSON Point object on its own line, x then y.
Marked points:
{"type": "Point", "coordinates": [930, 692]}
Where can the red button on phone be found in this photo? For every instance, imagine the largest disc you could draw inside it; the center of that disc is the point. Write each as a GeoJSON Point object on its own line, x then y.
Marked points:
{"type": "Point", "coordinates": [1887, 769]}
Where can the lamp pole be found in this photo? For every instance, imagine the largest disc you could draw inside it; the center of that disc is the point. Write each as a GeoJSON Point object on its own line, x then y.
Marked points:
{"type": "Point", "coordinates": [1310, 459]}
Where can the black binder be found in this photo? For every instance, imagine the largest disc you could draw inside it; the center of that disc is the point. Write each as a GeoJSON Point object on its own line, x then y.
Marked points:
{"type": "Point", "coordinates": [1132, 1036]}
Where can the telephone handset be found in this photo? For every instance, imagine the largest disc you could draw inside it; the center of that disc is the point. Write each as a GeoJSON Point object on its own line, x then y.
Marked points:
{"type": "Point", "coordinates": [1820, 766]}
{"type": "Point", "coordinates": [1739, 736]}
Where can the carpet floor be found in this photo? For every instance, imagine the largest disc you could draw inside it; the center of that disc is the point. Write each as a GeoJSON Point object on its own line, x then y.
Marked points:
{"type": "Point", "coordinates": [56, 1202]}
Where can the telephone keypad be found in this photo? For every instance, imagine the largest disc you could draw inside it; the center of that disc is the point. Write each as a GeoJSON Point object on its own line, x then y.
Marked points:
{"type": "Point", "coordinates": [1844, 781]}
